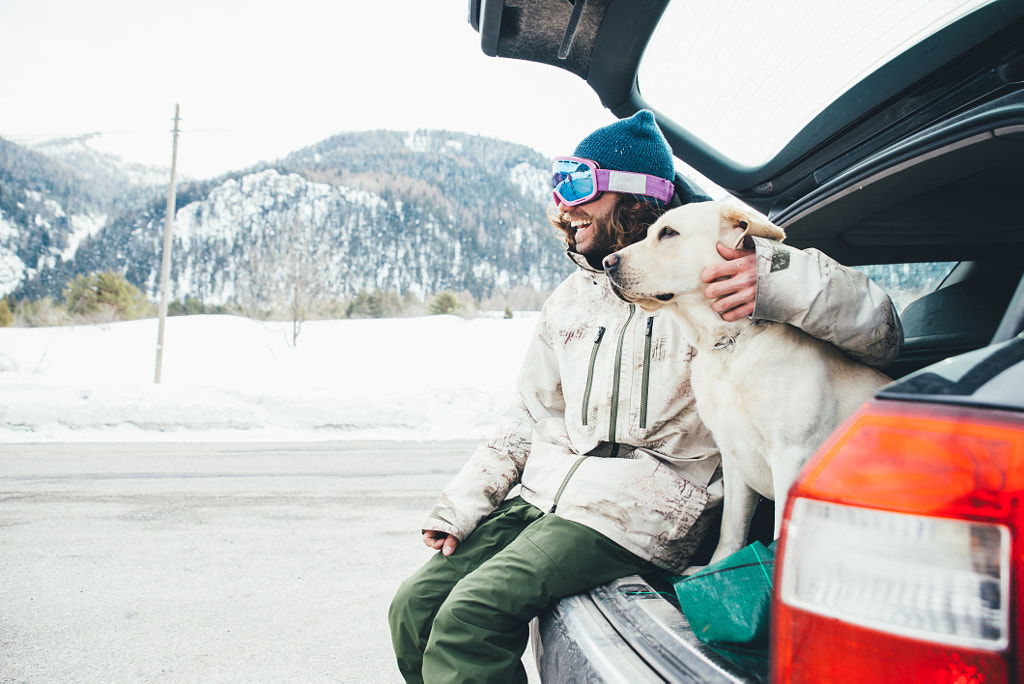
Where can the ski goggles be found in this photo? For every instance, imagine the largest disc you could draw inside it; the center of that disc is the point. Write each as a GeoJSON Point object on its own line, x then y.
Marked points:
{"type": "Point", "coordinates": [576, 181]}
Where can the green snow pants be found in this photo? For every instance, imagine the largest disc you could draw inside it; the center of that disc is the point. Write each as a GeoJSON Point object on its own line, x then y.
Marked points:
{"type": "Point", "coordinates": [465, 617]}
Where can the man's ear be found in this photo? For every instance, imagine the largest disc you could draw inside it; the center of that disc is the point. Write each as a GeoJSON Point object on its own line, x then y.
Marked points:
{"type": "Point", "coordinates": [737, 225]}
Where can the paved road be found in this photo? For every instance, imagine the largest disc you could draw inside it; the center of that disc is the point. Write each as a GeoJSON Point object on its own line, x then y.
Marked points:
{"type": "Point", "coordinates": [209, 562]}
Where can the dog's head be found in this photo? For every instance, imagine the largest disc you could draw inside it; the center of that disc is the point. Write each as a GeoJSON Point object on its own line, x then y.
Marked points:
{"type": "Point", "coordinates": [678, 247]}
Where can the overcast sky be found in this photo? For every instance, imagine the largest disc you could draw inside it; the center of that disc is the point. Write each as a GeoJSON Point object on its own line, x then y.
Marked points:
{"type": "Point", "coordinates": [258, 79]}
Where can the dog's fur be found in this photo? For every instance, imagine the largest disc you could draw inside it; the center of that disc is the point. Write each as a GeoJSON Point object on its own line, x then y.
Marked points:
{"type": "Point", "coordinates": [772, 394]}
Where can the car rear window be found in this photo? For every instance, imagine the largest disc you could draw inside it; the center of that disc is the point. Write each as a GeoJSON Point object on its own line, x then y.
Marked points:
{"type": "Point", "coordinates": [746, 77]}
{"type": "Point", "coordinates": [906, 283]}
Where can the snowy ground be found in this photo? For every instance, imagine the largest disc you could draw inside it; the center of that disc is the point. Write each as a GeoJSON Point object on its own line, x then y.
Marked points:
{"type": "Point", "coordinates": [226, 378]}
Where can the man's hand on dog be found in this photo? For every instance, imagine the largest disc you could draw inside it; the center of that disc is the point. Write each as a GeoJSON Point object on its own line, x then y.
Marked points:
{"type": "Point", "coordinates": [732, 283]}
{"type": "Point", "coordinates": [440, 540]}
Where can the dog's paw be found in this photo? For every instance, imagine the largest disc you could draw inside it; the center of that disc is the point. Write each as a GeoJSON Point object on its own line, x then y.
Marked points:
{"type": "Point", "coordinates": [693, 570]}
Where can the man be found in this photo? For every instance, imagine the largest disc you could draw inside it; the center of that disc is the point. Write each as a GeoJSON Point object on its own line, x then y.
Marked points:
{"type": "Point", "coordinates": [614, 469]}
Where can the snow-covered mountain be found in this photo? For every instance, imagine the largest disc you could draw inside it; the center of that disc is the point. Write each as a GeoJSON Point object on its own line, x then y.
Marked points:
{"type": "Point", "coordinates": [417, 213]}
{"type": "Point", "coordinates": [78, 153]}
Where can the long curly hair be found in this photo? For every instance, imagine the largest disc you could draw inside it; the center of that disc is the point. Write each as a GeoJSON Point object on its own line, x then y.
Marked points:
{"type": "Point", "coordinates": [628, 223]}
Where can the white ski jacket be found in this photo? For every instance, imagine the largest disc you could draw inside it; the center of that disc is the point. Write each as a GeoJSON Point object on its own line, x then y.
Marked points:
{"type": "Point", "coordinates": [603, 430]}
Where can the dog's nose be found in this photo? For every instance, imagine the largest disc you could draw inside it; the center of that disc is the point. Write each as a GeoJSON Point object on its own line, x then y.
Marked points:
{"type": "Point", "coordinates": [611, 262]}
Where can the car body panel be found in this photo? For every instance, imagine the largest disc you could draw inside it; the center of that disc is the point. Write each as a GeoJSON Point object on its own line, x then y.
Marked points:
{"type": "Point", "coordinates": [583, 636]}
{"type": "Point", "coordinates": [991, 377]}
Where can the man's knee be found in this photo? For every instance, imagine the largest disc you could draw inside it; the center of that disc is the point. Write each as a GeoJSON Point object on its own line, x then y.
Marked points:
{"type": "Point", "coordinates": [409, 617]}
{"type": "Point", "coordinates": [451, 615]}
{"type": "Point", "coordinates": [410, 607]}
{"type": "Point", "coordinates": [397, 609]}
{"type": "Point", "coordinates": [467, 610]}
{"type": "Point", "coordinates": [471, 640]}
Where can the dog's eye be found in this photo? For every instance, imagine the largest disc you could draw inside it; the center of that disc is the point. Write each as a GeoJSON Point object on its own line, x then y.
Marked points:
{"type": "Point", "coordinates": [667, 232]}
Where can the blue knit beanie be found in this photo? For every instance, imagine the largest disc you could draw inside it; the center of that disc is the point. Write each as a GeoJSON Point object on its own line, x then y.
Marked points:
{"type": "Point", "coordinates": [635, 144]}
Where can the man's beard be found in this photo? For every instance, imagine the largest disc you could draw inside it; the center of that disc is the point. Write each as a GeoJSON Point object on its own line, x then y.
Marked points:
{"type": "Point", "coordinates": [600, 240]}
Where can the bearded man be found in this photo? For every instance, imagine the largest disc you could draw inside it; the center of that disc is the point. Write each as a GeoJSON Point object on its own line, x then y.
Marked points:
{"type": "Point", "coordinates": [602, 467]}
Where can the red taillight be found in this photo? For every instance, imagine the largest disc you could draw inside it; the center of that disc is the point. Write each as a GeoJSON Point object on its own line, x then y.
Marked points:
{"type": "Point", "coordinates": [901, 550]}
{"type": "Point", "coordinates": [816, 649]}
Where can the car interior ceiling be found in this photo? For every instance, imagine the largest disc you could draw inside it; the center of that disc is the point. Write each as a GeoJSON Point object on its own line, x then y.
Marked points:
{"type": "Point", "coordinates": [954, 203]}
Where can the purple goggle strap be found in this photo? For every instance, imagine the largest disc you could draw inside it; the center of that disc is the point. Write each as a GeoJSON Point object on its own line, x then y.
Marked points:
{"type": "Point", "coordinates": [635, 183]}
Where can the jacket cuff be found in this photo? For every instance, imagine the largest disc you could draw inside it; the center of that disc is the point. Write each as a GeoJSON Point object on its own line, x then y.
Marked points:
{"type": "Point", "coordinates": [437, 525]}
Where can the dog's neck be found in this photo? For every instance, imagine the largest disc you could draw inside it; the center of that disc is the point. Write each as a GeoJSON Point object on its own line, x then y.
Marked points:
{"type": "Point", "coordinates": [705, 328]}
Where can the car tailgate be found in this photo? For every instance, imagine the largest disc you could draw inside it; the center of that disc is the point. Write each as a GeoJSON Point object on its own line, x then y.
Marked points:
{"type": "Point", "coordinates": [625, 631]}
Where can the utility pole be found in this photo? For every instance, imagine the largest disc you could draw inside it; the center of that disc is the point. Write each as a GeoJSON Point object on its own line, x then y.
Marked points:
{"type": "Point", "coordinates": [165, 264]}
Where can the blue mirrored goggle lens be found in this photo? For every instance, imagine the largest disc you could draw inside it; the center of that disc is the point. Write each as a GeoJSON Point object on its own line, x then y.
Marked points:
{"type": "Point", "coordinates": [572, 181]}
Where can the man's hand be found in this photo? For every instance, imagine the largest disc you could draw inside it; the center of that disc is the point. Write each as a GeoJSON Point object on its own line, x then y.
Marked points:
{"type": "Point", "coordinates": [732, 283]}
{"type": "Point", "coordinates": [440, 540]}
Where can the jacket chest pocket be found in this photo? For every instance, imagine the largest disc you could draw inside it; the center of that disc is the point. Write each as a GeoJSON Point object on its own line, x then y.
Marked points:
{"type": "Point", "coordinates": [661, 383]}
{"type": "Point", "coordinates": [607, 355]}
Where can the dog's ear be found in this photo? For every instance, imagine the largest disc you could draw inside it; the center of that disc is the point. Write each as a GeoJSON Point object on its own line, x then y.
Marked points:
{"type": "Point", "coordinates": [737, 225]}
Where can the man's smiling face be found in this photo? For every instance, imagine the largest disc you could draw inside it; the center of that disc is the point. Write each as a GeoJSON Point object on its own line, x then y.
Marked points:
{"type": "Point", "coordinates": [590, 223]}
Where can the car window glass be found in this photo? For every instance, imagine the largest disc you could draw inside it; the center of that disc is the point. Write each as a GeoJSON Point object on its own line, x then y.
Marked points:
{"type": "Point", "coordinates": [906, 283]}
{"type": "Point", "coordinates": [746, 77]}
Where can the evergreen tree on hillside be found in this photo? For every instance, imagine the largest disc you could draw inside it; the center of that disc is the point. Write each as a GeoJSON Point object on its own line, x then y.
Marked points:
{"type": "Point", "coordinates": [107, 295]}
{"type": "Point", "coordinates": [444, 304]}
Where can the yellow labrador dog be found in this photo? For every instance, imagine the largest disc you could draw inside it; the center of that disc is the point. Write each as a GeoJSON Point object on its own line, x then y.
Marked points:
{"type": "Point", "coordinates": [769, 393]}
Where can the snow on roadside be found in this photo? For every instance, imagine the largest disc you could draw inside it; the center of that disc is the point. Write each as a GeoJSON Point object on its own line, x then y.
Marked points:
{"type": "Point", "coordinates": [233, 378]}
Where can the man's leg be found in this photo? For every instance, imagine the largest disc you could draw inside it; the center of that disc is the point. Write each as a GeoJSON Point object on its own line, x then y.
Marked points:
{"type": "Point", "coordinates": [481, 630]}
{"type": "Point", "coordinates": [417, 601]}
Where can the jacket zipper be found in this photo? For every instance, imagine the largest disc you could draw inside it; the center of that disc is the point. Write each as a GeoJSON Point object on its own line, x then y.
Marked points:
{"type": "Point", "coordinates": [565, 481]}
{"type": "Point", "coordinates": [590, 372]}
{"type": "Point", "coordinates": [647, 372]}
{"type": "Point", "coordinates": [615, 394]}
{"type": "Point", "coordinates": [618, 372]}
